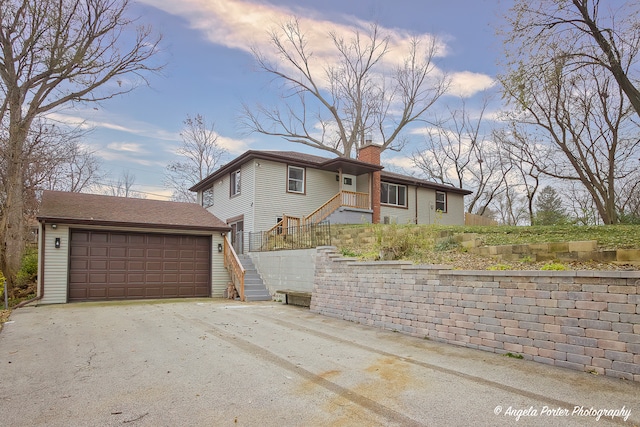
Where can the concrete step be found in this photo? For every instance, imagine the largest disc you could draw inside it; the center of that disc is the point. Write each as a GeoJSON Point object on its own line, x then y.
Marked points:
{"type": "Point", "coordinates": [254, 288]}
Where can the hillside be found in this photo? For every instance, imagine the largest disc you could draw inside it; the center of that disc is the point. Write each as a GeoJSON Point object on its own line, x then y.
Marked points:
{"type": "Point", "coordinates": [438, 244]}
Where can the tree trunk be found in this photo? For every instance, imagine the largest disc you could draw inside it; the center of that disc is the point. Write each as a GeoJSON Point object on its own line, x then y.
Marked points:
{"type": "Point", "coordinates": [613, 57]}
{"type": "Point", "coordinates": [12, 225]}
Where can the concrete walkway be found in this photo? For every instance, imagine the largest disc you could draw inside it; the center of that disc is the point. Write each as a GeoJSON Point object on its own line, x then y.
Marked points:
{"type": "Point", "coordinates": [222, 363]}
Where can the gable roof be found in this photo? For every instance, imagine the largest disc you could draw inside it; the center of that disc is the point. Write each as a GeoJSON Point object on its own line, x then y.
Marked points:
{"type": "Point", "coordinates": [93, 209]}
{"type": "Point", "coordinates": [348, 166]}
{"type": "Point", "coordinates": [293, 158]}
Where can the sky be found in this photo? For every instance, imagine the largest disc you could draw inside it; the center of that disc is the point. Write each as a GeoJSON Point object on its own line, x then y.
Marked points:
{"type": "Point", "coordinates": [210, 71]}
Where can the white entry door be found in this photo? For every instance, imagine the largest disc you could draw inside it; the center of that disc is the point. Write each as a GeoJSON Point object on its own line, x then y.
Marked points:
{"type": "Point", "coordinates": [348, 182]}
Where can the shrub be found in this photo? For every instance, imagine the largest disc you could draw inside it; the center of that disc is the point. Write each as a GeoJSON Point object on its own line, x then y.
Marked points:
{"type": "Point", "coordinates": [556, 266]}
{"type": "Point", "coordinates": [347, 252]}
{"type": "Point", "coordinates": [446, 244]}
{"type": "Point", "coordinates": [29, 269]}
{"type": "Point", "coordinates": [500, 267]}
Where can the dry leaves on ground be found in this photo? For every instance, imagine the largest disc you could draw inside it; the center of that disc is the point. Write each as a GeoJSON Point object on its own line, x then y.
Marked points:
{"type": "Point", "coordinates": [468, 261]}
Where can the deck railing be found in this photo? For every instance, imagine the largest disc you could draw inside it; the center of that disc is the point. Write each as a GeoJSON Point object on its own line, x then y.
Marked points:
{"type": "Point", "coordinates": [296, 237]}
{"type": "Point", "coordinates": [350, 199]}
{"type": "Point", "coordinates": [277, 237]}
{"type": "Point", "coordinates": [234, 267]}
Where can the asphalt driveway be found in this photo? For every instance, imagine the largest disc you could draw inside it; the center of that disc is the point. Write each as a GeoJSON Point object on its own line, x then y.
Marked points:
{"type": "Point", "coordinates": [223, 363]}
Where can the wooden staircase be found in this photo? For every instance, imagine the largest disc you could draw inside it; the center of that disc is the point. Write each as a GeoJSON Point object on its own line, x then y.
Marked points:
{"type": "Point", "coordinates": [349, 199]}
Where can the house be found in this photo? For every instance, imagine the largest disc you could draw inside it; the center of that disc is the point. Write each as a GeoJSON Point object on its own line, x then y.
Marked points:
{"type": "Point", "coordinates": [94, 247]}
{"type": "Point", "coordinates": [270, 190]}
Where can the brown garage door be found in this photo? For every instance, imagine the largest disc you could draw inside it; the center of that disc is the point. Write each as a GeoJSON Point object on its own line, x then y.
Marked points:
{"type": "Point", "coordinates": [107, 265]}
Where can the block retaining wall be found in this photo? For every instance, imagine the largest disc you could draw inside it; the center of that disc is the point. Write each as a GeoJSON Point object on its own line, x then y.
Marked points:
{"type": "Point", "coordinates": [583, 320]}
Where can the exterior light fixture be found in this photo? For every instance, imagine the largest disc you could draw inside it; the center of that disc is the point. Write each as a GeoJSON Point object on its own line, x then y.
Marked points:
{"type": "Point", "coordinates": [219, 247]}
{"type": "Point", "coordinates": [54, 226]}
{"type": "Point", "coordinates": [57, 243]}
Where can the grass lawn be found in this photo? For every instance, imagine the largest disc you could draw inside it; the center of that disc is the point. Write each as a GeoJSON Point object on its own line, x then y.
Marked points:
{"type": "Point", "coordinates": [607, 236]}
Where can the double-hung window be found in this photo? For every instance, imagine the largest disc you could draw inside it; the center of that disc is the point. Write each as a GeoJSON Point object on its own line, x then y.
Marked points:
{"type": "Point", "coordinates": [393, 194]}
{"type": "Point", "coordinates": [295, 183]}
{"type": "Point", "coordinates": [441, 201]}
{"type": "Point", "coordinates": [235, 183]}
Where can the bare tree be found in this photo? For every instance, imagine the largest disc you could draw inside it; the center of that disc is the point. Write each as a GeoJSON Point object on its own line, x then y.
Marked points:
{"type": "Point", "coordinates": [581, 207]}
{"type": "Point", "coordinates": [522, 153]}
{"type": "Point", "coordinates": [511, 206]}
{"type": "Point", "coordinates": [335, 107]}
{"type": "Point", "coordinates": [123, 186]}
{"type": "Point", "coordinates": [581, 32]}
{"type": "Point", "coordinates": [629, 207]}
{"type": "Point", "coordinates": [458, 151]}
{"type": "Point", "coordinates": [57, 160]}
{"type": "Point", "coordinates": [56, 53]}
{"type": "Point", "coordinates": [201, 155]}
{"type": "Point", "coordinates": [583, 126]}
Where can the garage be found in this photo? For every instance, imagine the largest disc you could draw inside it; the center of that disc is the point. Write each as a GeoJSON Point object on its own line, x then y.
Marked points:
{"type": "Point", "coordinates": [100, 248]}
{"type": "Point", "coordinates": [107, 265]}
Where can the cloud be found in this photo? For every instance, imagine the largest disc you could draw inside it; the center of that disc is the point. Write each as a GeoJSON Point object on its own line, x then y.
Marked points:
{"type": "Point", "coordinates": [127, 147]}
{"type": "Point", "coordinates": [466, 83]}
{"type": "Point", "coordinates": [241, 24]}
{"type": "Point", "coordinates": [88, 119]}
{"type": "Point", "coordinates": [403, 163]}
{"type": "Point", "coordinates": [233, 146]}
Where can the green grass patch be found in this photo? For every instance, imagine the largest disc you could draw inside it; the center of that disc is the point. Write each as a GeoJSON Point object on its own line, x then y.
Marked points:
{"type": "Point", "coordinates": [554, 266]}
{"type": "Point", "coordinates": [513, 356]}
{"type": "Point", "coordinates": [500, 267]}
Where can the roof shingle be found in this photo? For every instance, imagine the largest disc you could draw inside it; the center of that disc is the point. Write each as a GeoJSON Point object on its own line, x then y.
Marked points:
{"type": "Point", "coordinates": [93, 209]}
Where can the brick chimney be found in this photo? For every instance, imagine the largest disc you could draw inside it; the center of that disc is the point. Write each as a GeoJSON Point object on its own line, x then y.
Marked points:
{"type": "Point", "coordinates": [370, 153]}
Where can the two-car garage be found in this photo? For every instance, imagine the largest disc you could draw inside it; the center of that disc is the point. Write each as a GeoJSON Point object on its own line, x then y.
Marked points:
{"type": "Point", "coordinates": [125, 265]}
{"type": "Point", "coordinates": [95, 247]}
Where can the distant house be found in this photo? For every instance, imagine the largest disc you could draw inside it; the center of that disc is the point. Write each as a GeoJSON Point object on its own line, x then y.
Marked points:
{"type": "Point", "coordinates": [94, 247]}
{"type": "Point", "coordinates": [260, 190]}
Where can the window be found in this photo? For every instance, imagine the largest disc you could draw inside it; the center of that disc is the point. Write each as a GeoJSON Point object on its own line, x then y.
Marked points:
{"type": "Point", "coordinates": [296, 180]}
{"type": "Point", "coordinates": [441, 201]}
{"type": "Point", "coordinates": [207, 197]}
{"type": "Point", "coordinates": [235, 182]}
{"type": "Point", "coordinates": [393, 194]}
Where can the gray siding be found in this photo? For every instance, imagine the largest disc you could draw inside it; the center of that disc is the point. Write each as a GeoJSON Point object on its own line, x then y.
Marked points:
{"type": "Point", "coordinates": [219, 274]}
{"type": "Point", "coordinates": [426, 213]}
{"type": "Point", "coordinates": [56, 265]}
{"type": "Point", "coordinates": [401, 215]}
{"type": "Point", "coordinates": [273, 200]}
{"type": "Point", "coordinates": [362, 183]}
{"type": "Point", "coordinates": [226, 207]}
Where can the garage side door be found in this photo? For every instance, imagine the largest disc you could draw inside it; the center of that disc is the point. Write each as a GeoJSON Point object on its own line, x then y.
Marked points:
{"type": "Point", "coordinates": [106, 265]}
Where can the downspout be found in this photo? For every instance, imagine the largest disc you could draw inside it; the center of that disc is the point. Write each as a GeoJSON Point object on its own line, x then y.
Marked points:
{"type": "Point", "coordinates": [416, 202]}
{"type": "Point", "coordinates": [371, 190]}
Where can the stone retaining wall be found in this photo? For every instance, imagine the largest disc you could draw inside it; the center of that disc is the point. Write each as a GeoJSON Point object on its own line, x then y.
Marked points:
{"type": "Point", "coordinates": [584, 320]}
